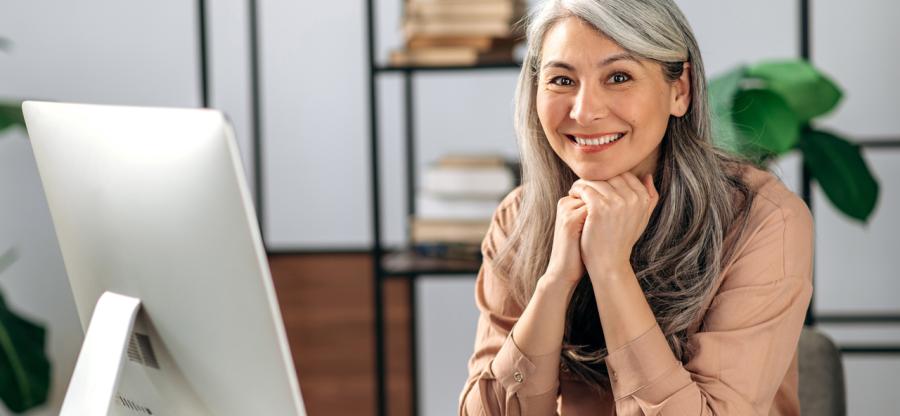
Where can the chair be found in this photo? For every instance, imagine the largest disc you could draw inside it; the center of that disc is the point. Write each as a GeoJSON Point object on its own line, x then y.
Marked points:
{"type": "Point", "coordinates": [821, 376]}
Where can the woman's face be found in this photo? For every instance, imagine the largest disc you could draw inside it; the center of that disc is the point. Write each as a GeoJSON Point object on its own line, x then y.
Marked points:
{"type": "Point", "coordinates": [590, 90]}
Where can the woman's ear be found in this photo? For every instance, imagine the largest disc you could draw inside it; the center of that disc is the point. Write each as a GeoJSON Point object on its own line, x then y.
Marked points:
{"type": "Point", "coordinates": [681, 92]}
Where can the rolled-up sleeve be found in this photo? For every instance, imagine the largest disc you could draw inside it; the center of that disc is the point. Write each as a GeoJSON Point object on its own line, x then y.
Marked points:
{"type": "Point", "coordinates": [502, 380]}
{"type": "Point", "coordinates": [749, 334]}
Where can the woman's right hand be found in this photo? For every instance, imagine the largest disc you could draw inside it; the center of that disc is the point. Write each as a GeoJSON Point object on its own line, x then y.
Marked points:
{"type": "Point", "coordinates": [565, 256]}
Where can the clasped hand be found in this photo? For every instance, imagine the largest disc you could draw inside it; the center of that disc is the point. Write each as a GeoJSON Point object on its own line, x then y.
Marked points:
{"type": "Point", "coordinates": [597, 225]}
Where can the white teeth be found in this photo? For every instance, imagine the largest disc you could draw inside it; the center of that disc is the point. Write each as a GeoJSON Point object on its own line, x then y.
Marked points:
{"type": "Point", "coordinates": [598, 141]}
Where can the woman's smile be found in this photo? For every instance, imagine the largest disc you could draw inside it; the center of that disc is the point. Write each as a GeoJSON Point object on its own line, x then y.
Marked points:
{"type": "Point", "coordinates": [595, 143]}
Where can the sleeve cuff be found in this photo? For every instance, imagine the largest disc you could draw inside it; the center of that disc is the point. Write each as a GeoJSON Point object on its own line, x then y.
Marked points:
{"type": "Point", "coordinates": [640, 363]}
{"type": "Point", "coordinates": [534, 376]}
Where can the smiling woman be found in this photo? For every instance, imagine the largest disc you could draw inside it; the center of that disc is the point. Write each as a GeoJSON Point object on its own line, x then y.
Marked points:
{"type": "Point", "coordinates": [638, 270]}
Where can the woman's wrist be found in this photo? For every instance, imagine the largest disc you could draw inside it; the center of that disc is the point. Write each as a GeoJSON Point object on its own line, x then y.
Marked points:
{"type": "Point", "coordinates": [602, 273]}
{"type": "Point", "coordinates": [540, 329]}
{"type": "Point", "coordinates": [552, 284]}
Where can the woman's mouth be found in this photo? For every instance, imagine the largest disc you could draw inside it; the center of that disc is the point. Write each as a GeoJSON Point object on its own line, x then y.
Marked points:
{"type": "Point", "coordinates": [593, 145]}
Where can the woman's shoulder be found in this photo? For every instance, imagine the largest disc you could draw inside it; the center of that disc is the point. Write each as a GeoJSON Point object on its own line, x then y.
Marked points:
{"type": "Point", "coordinates": [512, 199]}
{"type": "Point", "coordinates": [773, 197]}
{"type": "Point", "coordinates": [779, 223]}
{"type": "Point", "coordinates": [508, 209]}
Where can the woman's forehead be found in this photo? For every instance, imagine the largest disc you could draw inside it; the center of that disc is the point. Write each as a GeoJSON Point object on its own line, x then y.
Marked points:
{"type": "Point", "coordinates": [572, 41]}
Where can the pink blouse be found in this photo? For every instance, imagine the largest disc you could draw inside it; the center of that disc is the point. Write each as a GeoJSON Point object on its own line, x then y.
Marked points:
{"type": "Point", "coordinates": [746, 342]}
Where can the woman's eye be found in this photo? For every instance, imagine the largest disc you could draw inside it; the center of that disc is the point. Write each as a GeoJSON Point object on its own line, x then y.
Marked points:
{"type": "Point", "coordinates": [619, 77]}
{"type": "Point", "coordinates": [562, 81]}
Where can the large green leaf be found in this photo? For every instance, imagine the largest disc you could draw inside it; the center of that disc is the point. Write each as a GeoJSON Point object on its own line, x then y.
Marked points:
{"type": "Point", "coordinates": [24, 368]}
{"type": "Point", "coordinates": [11, 115]}
{"type": "Point", "coordinates": [839, 168]}
{"type": "Point", "coordinates": [808, 92]}
{"type": "Point", "coordinates": [722, 89]}
{"type": "Point", "coordinates": [766, 123]}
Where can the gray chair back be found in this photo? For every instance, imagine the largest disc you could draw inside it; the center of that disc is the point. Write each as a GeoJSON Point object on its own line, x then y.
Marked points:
{"type": "Point", "coordinates": [821, 376]}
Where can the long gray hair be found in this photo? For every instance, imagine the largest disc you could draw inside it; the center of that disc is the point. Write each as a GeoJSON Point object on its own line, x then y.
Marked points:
{"type": "Point", "coordinates": [704, 203]}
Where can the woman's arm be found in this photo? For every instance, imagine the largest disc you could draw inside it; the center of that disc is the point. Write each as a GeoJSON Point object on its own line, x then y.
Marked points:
{"type": "Point", "coordinates": [618, 213]}
{"type": "Point", "coordinates": [504, 380]}
{"type": "Point", "coordinates": [522, 378]}
{"type": "Point", "coordinates": [541, 327]}
{"type": "Point", "coordinates": [747, 341]}
{"type": "Point", "coordinates": [748, 338]}
{"type": "Point", "coordinates": [515, 367]}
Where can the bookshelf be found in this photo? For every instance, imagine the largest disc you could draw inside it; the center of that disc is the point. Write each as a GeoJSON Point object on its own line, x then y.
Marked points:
{"type": "Point", "coordinates": [404, 263]}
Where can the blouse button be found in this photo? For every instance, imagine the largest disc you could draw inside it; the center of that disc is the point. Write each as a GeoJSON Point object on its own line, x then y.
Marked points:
{"type": "Point", "coordinates": [518, 377]}
{"type": "Point", "coordinates": [613, 376]}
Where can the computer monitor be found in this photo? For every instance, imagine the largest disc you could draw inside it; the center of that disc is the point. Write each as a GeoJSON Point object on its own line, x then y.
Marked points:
{"type": "Point", "coordinates": [165, 261]}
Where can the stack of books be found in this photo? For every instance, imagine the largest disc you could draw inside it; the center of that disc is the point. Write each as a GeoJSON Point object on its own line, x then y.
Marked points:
{"type": "Point", "coordinates": [455, 203]}
{"type": "Point", "coordinates": [459, 32]}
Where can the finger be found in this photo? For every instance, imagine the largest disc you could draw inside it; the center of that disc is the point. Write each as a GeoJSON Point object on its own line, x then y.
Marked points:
{"type": "Point", "coordinates": [581, 213]}
{"type": "Point", "coordinates": [586, 193]}
{"type": "Point", "coordinates": [602, 187]}
{"type": "Point", "coordinates": [651, 190]}
{"type": "Point", "coordinates": [570, 202]}
{"type": "Point", "coordinates": [635, 184]}
{"type": "Point", "coordinates": [623, 189]}
{"type": "Point", "coordinates": [607, 192]}
{"type": "Point", "coordinates": [618, 183]}
{"type": "Point", "coordinates": [573, 220]}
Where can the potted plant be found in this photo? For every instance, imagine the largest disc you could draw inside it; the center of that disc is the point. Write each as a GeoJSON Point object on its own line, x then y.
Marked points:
{"type": "Point", "coordinates": [767, 109]}
{"type": "Point", "coordinates": [24, 367]}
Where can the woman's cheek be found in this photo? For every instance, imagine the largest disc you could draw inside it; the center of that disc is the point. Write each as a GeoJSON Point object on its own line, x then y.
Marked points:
{"type": "Point", "coordinates": [552, 106]}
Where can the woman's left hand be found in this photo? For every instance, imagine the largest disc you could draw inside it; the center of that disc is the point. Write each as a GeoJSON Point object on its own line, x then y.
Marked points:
{"type": "Point", "coordinates": [618, 212]}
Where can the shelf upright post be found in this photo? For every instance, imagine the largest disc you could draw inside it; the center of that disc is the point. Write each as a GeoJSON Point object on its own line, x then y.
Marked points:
{"type": "Point", "coordinates": [256, 115]}
{"type": "Point", "coordinates": [409, 107]}
{"type": "Point", "coordinates": [378, 298]}
{"type": "Point", "coordinates": [805, 174]}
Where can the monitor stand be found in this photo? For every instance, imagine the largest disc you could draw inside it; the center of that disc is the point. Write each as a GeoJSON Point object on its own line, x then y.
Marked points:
{"type": "Point", "coordinates": [102, 357]}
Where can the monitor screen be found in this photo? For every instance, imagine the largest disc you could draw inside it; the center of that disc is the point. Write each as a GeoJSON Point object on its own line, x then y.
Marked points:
{"type": "Point", "coordinates": [152, 204]}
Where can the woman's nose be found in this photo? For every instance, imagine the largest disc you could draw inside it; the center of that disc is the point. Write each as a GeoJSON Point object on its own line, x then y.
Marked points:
{"type": "Point", "coordinates": [588, 107]}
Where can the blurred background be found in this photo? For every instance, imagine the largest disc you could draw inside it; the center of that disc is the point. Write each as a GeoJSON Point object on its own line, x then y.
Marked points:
{"type": "Point", "coordinates": [294, 78]}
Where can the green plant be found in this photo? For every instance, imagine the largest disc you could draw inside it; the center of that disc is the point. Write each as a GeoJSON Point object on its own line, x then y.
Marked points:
{"type": "Point", "coordinates": [11, 115]}
{"type": "Point", "coordinates": [24, 367]}
{"type": "Point", "coordinates": [766, 109]}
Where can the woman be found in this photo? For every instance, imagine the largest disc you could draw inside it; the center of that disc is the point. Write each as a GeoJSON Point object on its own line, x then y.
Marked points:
{"type": "Point", "coordinates": [638, 270]}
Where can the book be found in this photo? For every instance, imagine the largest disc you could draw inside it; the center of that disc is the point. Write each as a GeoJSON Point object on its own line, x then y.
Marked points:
{"type": "Point", "coordinates": [455, 251]}
{"type": "Point", "coordinates": [448, 231]}
{"type": "Point", "coordinates": [448, 56]}
{"type": "Point", "coordinates": [471, 161]}
{"type": "Point", "coordinates": [479, 43]}
{"type": "Point", "coordinates": [475, 182]}
{"type": "Point", "coordinates": [508, 11]}
{"type": "Point", "coordinates": [418, 27]}
{"type": "Point", "coordinates": [436, 207]}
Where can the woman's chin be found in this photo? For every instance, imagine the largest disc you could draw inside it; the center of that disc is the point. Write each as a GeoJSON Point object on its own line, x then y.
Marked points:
{"type": "Point", "coordinates": [594, 174]}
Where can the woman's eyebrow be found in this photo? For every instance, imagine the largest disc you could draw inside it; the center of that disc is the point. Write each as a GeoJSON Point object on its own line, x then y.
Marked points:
{"type": "Point", "coordinates": [618, 57]}
{"type": "Point", "coordinates": [558, 64]}
{"type": "Point", "coordinates": [606, 61]}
